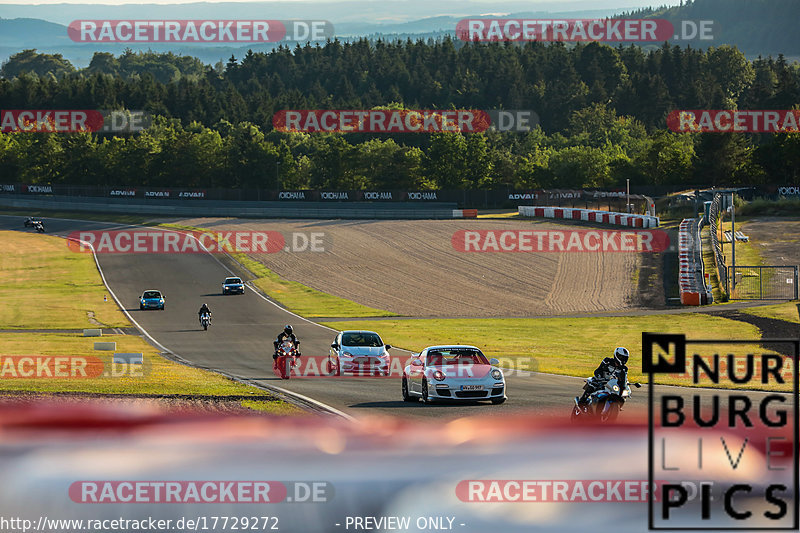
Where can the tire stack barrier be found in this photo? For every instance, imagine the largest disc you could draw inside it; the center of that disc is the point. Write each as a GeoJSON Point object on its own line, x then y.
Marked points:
{"type": "Point", "coordinates": [691, 278]}
{"type": "Point", "coordinates": [590, 215]}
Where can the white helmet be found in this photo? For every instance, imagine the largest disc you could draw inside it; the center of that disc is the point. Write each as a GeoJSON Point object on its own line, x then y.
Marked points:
{"type": "Point", "coordinates": [621, 355]}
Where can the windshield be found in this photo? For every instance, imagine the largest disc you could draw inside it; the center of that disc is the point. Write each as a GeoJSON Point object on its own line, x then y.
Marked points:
{"type": "Point", "coordinates": [460, 356]}
{"type": "Point", "coordinates": [151, 294]}
{"type": "Point", "coordinates": [361, 338]}
{"type": "Point", "coordinates": [229, 281]}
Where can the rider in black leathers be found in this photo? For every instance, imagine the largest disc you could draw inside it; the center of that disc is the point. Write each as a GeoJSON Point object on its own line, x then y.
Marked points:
{"type": "Point", "coordinates": [287, 333]}
{"type": "Point", "coordinates": [204, 309]}
{"type": "Point", "coordinates": [608, 367]}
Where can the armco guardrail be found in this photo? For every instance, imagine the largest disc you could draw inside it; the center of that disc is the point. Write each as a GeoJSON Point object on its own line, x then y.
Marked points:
{"type": "Point", "coordinates": [590, 215]}
{"type": "Point", "coordinates": [691, 278]}
{"type": "Point", "coordinates": [388, 211]}
{"type": "Point", "coordinates": [719, 258]}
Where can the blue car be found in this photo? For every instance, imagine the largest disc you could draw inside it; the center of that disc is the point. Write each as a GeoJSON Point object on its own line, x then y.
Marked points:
{"type": "Point", "coordinates": [232, 286]}
{"type": "Point", "coordinates": [151, 300]}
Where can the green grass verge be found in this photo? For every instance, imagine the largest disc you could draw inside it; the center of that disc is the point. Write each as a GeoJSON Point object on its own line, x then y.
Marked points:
{"type": "Point", "coordinates": [47, 286]}
{"type": "Point", "coordinates": [789, 311]}
{"type": "Point", "coordinates": [746, 252]}
{"type": "Point", "coordinates": [295, 296]}
{"type": "Point", "coordinates": [566, 346]}
{"type": "Point", "coordinates": [156, 376]}
{"type": "Point", "coordinates": [763, 207]}
{"type": "Point", "coordinates": [273, 407]}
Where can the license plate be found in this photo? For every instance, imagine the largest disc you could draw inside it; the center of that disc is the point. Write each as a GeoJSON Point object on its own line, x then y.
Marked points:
{"type": "Point", "coordinates": [471, 387]}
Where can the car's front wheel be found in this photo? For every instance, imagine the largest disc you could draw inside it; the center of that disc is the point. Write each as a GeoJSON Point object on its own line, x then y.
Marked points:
{"type": "Point", "coordinates": [333, 368]}
{"type": "Point", "coordinates": [404, 387]}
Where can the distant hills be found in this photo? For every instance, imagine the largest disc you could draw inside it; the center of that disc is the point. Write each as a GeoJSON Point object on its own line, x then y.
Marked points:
{"type": "Point", "coordinates": [757, 27]}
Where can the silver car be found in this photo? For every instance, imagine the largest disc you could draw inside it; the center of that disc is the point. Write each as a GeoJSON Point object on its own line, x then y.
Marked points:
{"type": "Point", "coordinates": [453, 373]}
{"type": "Point", "coordinates": [361, 352]}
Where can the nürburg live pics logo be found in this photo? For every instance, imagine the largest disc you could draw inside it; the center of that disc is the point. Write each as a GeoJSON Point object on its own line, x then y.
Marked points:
{"type": "Point", "coordinates": [725, 449]}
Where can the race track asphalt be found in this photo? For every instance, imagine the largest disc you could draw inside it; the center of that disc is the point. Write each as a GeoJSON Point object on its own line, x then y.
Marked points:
{"type": "Point", "coordinates": [239, 342]}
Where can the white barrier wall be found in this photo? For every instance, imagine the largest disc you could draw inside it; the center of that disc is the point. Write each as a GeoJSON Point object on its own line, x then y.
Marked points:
{"type": "Point", "coordinates": [591, 215]}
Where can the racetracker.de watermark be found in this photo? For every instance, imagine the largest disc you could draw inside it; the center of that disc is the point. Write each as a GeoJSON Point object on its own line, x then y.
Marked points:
{"type": "Point", "coordinates": [199, 31]}
{"type": "Point", "coordinates": [142, 241]}
{"type": "Point", "coordinates": [207, 492]}
{"type": "Point", "coordinates": [734, 120]}
{"type": "Point", "coordinates": [66, 367]}
{"type": "Point", "coordinates": [73, 120]}
{"type": "Point", "coordinates": [582, 30]}
{"type": "Point", "coordinates": [531, 241]}
{"type": "Point", "coordinates": [556, 490]}
{"type": "Point", "coordinates": [404, 120]}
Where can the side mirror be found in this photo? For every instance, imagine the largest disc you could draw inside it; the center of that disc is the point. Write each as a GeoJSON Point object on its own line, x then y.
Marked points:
{"type": "Point", "coordinates": [494, 362]}
{"type": "Point", "coordinates": [416, 362]}
{"type": "Point", "coordinates": [334, 345]}
{"type": "Point", "coordinates": [637, 385]}
{"type": "Point", "coordinates": [388, 346]}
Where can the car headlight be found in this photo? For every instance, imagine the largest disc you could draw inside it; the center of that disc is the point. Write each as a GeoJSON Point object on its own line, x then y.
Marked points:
{"type": "Point", "coordinates": [385, 354]}
{"type": "Point", "coordinates": [347, 354]}
{"type": "Point", "coordinates": [496, 374]}
{"type": "Point", "coordinates": [615, 388]}
{"type": "Point", "coordinates": [439, 375]}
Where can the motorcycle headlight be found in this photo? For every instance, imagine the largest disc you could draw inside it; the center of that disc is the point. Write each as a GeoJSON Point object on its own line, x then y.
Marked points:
{"type": "Point", "coordinates": [496, 374]}
{"type": "Point", "coordinates": [439, 375]}
{"type": "Point", "coordinates": [615, 388]}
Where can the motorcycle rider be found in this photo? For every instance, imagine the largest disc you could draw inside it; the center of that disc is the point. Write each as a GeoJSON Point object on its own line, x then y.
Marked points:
{"type": "Point", "coordinates": [287, 333]}
{"type": "Point", "coordinates": [608, 367]}
{"type": "Point", "coordinates": [204, 309]}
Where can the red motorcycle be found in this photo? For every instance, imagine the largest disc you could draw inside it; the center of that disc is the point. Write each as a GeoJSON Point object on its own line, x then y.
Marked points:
{"type": "Point", "coordinates": [286, 360]}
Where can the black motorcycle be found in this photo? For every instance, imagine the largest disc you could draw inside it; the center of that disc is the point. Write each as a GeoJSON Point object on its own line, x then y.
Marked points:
{"type": "Point", "coordinates": [606, 402]}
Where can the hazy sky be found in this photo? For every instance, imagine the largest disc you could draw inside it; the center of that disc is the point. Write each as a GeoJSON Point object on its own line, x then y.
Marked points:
{"type": "Point", "coordinates": [563, 4]}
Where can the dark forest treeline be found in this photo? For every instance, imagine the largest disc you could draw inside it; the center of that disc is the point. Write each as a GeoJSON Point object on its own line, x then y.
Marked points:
{"type": "Point", "coordinates": [602, 113]}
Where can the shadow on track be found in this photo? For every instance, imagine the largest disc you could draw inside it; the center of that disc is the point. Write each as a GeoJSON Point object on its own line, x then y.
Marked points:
{"type": "Point", "coordinates": [396, 404]}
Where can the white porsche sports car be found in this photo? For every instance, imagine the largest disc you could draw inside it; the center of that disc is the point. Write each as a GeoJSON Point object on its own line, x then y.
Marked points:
{"type": "Point", "coordinates": [453, 373]}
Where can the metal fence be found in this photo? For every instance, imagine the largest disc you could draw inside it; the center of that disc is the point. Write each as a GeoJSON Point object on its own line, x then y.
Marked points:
{"type": "Point", "coordinates": [762, 282]}
{"type": "Point", "coordinates": [714, 217]}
